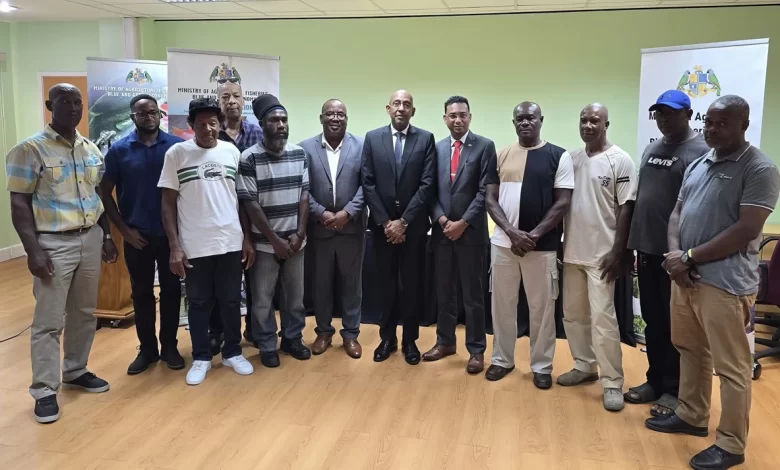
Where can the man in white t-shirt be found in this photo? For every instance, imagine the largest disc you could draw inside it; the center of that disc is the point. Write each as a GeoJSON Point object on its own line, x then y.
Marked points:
{"type": "Point", "coordinates": [594, 256]}
{"type": "Point", "coordinates": [208, 246]}
{"type": "Point", "coordinates": [529, 188]}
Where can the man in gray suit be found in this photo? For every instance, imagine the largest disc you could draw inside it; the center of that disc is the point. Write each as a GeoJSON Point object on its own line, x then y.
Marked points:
{"type": "Point", "coordinates": [337, 225]}
{"type": "Point", "coordinates": [460, 233]}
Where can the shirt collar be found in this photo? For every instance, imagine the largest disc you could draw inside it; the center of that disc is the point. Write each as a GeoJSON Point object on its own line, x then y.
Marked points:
{"type": "Point", "coordinates": [734, 156]}
{"type": "Point", "coordinates": [161, 136]}
{"type": "Point", "coordinates": [541, 144]}
{"type": "Point", "coordinates": [327, 146]}
{"type": "Point", "coordinates": [462, 139]}
{"type": "Point", "coordinates": [404, 132]}
{"type": "Point", "coordinates": [241, 132]}
{"type": "Point", "coordinates": [52, 134]}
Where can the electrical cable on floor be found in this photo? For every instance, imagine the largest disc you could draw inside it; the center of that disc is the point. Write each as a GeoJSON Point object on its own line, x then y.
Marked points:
{"type": "Point", "coordinates": [16, 335]}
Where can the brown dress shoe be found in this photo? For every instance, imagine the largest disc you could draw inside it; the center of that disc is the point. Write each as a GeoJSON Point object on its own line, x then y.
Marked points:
{"type": "Point", "coordinates": [438, 352]}
{"type": "Point", "coordinates": [354, 350]}
{"type": "Point", "coordinates": [321, 344]}
{"type": "Point", "coordinates": [476, 363]}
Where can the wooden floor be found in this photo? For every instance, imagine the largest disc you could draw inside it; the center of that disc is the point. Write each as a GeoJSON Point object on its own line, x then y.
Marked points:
{"type": "Point", "coordinates": [336, 412]}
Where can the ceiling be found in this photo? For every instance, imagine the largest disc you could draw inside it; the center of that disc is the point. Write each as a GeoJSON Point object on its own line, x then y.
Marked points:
{"type": "Point", "coordinates": [59, 10]}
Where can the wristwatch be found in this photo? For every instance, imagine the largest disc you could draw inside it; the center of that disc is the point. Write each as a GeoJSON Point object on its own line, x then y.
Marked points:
{"type": "Point", "coordinates": [404, 222]}
{"type": "Point", "coordinates": [686, 257]}
{"type": "Point", "coordinates": [107, 236]}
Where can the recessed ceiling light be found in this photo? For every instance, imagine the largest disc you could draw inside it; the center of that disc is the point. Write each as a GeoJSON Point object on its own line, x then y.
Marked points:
{"type": "Point", "coordinates": [6, 8]}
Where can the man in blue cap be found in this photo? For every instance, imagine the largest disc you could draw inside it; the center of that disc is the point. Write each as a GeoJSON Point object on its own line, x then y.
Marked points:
{"type": "Point", "coordinates": [661, 171]}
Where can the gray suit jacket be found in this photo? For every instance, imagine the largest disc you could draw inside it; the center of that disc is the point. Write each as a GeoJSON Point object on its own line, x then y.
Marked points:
{"type": "Point", "coordinates": [349, 192]}
{"type": "Point", "coordinates": [463, 198]}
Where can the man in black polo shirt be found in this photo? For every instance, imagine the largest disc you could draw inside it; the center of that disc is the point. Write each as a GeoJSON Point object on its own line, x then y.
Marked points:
{"type": "Point", "coordinates": [529, 191]}
{"type": "Point", "coordinates": [133, 165]}
{"type": "Point", "coordinates": [660, 176]}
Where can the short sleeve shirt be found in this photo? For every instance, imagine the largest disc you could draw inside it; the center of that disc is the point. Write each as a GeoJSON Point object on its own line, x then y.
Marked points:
{"type": "Point", "coordinates": [207, 204]}
{"type": "Point", "coordinates": [602, 183]}
{"type": "Point", "coordinates": [712, 193]}
{"type": "Point", "coordinates": [276, 182]}
{"type": "Point", "coordinates": [61, 178]}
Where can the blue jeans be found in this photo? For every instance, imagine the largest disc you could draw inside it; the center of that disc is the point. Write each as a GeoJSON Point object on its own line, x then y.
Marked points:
{"type": "Point", "coordinates": [264, 274]}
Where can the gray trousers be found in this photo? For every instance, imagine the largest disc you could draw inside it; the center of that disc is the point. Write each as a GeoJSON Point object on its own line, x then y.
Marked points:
{"type": "Point", "coordinates": [265, 272]}
{"type": "Point", "coordinates": [338, 256]}
{"type": "Point", "coordinates": [66, 301]}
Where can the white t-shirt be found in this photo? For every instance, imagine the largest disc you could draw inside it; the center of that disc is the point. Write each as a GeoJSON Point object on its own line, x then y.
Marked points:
{"type": "Point", "coordinates": [602, 183]}
{"type": "Point", "coordinates": [511, 162]}
{"type": "Point", "coordinates": [207, 203]}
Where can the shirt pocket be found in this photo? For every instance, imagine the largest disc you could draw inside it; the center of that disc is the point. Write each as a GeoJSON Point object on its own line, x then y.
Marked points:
{"type": "Point", "coordinates": [92, 165]}
{"type": "Point", "coordinates": [55, 170]}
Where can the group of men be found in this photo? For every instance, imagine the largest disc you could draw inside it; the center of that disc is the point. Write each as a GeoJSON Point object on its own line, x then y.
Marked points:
{"type": "Point", "coordinates": [238, 201]}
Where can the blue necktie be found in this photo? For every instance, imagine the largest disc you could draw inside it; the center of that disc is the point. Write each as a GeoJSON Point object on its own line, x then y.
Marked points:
{"type": "Point", "coordinates": [398, 149]}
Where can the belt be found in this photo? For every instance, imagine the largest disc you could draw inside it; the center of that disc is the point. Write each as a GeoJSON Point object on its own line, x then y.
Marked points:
{"type": "Point", "coordinates": [75, 231]}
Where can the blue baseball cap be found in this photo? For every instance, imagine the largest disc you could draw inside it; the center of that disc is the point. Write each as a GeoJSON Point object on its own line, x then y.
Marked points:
{"type": "Point", "coordinates": [674, 99]}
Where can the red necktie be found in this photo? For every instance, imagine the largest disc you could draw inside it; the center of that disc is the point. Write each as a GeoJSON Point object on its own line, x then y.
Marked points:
{"type": "Point", "coordinates": [454, 160]}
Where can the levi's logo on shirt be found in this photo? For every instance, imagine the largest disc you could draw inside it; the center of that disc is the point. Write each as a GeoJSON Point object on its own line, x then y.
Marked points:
{"type": "Point", "coordinates": [661, 162]}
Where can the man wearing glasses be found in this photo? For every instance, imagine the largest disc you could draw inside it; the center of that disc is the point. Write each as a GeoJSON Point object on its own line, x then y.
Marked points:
{"type": "Point", "coordinates": [337, 226]}
{"type": "Point", "coordinates": [133, 166]}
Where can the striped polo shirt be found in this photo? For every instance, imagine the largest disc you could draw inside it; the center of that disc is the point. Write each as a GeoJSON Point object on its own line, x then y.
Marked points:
{"type": "Point", "coordinates": [207, 205]}
{"type": "Point", "coordinates": [276, 181]}
{"type": "Point", "coordinates": [61, 178]}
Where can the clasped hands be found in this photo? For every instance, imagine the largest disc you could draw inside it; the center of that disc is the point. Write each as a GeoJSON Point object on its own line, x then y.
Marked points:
{"type": "Point", "coordinates": [395, 231]}
{"type": "Point", "coordinates": [682, 274]}
{"type": "Point", "coordinates": [453, 230]}
{"type": "Point", "coordinates": [335, 221]}
{"type": "Point", "coordinates": [522, 242]}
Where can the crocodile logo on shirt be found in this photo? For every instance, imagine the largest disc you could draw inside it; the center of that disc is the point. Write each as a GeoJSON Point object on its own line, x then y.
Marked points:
{"type": "Point", "coordinates": [211, 171]}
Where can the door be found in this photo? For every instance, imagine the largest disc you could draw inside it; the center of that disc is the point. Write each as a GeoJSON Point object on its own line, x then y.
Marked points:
{"type": "Point", "coordinates": [80, 82]}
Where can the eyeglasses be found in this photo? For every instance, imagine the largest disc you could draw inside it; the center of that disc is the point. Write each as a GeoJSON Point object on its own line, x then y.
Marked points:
{"type": "Point", "coordinates": [331, 115]}
{"type": "Point", "coordinates": [401, 104]}
{"type": "Point", "coordinates": [149, 114]}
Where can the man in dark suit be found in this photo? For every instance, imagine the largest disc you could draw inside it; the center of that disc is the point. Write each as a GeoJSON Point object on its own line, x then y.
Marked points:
{"type": "Point", "coordinates": [460, 233]}
{"type": "Point", "coordinates": [337, 226]}
{"type": "Point", "coordinates": [399, 167]}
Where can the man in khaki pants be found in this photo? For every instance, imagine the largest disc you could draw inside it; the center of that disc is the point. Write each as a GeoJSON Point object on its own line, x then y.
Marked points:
{"type": "Point", "coordinates": [55, 208]}
{"type": "Point", "coordinates": [714, 234]}
{"type": "Point", "coordinates": [594, 256]}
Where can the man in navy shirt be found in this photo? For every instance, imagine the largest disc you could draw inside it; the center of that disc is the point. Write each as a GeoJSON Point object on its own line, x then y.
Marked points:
{"type": "Point", "coordinates": [133, 165]}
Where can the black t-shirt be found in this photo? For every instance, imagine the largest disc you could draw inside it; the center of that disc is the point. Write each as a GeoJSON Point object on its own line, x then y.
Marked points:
{"type": "Point", "coordinates": [660, 177]}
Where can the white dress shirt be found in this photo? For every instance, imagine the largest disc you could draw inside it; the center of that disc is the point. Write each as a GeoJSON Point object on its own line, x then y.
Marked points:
{"type": "Point", "coordinates": [403, 141]}
{"type": "Point", "coordinates": [333, 162]}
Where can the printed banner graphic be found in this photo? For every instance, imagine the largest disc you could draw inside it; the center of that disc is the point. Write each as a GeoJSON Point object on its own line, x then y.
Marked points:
{"type": "Point", "coordinates": [196, 74]}
{"type": "Point", "coordinates": [704, 72]}
{"type": "Point", "coordinates": [111, 85]}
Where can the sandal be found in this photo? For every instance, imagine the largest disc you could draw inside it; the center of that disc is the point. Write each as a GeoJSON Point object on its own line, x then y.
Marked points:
{"type": "Point", "coordinates": [641, 394]}
{"type": "Point", "coordinates": [664, 406]}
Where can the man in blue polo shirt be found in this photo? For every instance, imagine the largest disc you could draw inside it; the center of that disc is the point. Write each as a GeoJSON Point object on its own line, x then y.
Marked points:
{"type": "Point", "coordinates": [133, 165]}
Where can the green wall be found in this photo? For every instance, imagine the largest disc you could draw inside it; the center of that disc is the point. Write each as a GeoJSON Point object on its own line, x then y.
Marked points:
{"type": "Point", "coordinates": [7, 132]}
{"type": "Point", "coordinates": [563, 61]}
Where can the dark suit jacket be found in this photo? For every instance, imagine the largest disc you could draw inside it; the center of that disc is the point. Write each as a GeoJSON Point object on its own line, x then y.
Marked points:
{"type": "Point", "coordinates": [349, 192]}
{"type": "Point", "coordinates": [465, 197]}
{"type": "Point", "coordinates": [406, 191]}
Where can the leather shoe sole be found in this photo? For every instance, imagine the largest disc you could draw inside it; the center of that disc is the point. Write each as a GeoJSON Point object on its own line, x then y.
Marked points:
{"type": "Point", "coordinates": [684, 428]}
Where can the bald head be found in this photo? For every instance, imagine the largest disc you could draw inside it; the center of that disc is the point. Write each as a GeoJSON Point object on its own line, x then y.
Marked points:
{"type": "Point", "coordinates": [66, 106]}
{"type": "Point", "coordinates": [333, 102]}
{"type": "Point", "coordinates": [400, 109]}
{"type": "Point", "coordinates": [594, 121]}
{"type": "Point", "coordinates": [527, 119]}
{"type": "Point", "coordinates": [62, 88]}
{"type": "Point", "coordinates": [231, 100]}
{"type": "Point", "coordinates": [725, 124]}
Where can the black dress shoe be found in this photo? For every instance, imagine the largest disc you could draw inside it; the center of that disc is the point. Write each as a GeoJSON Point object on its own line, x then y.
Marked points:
{"type": "Point", "coordinates": [295, 348]}
{"type": "Point", "coordinates": [172, 357]}
{"type": "Point", "coordinates": [411, 353]}
{"type": "Point", "coordinates": [269, 359]}
{"type": "Point", "coordinates": [141, 363]}
{"type": "Point", "coordinates": [495, 372]}
{"type": "Point", "coordinates": [715, 458]}
{"type": "Point", "coordinates": [542, 381]}
{"type": "Point", "coordinates": [385, 348]}
{"type": "Point", "coordinates": [673, 424]}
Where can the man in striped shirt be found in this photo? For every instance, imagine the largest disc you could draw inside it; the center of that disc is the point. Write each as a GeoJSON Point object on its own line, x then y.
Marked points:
{"type": "Point", "coordinates": [273, 186]}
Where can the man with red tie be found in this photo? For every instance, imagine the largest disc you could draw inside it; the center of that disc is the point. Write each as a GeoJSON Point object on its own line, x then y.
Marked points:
{"type": "Point", "coordinates": [459, 234]}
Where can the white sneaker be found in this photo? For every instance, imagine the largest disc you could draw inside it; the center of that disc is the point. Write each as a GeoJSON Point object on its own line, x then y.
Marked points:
{"type": "Point", "coordinates": [239, 364]}
{"type": "Point", "coordinates": [197, 373]}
